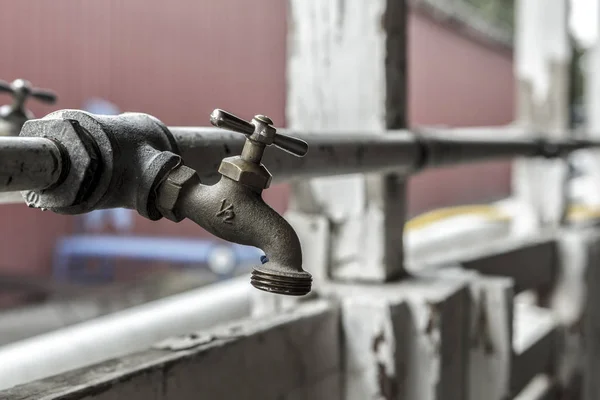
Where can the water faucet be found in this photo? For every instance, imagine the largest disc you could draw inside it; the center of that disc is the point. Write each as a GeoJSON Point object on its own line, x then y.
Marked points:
{"type": "Point", "coordinates": [13, 116]}
{"type": "Point", "coordinates": [233, 208]}
{"type": "Point", "coordinates": [133, 161]}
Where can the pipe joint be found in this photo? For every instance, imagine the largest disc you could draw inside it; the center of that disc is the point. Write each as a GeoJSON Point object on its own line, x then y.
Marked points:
{"type": "Point", "coordinates": [115, 161]}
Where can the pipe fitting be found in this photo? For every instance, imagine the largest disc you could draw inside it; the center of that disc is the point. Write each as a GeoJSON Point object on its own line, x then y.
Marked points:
{"type": "Point", "coordinates": [115, 161]}
{"type": "Point", "coordinates": [246, 173]}
{"type": "Point", "coordinates": [178, 181]}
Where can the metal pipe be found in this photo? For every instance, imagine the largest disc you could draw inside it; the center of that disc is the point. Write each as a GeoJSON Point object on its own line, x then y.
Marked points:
{"type": "Point", "coordinates": [11, 197]}
{"type": "Point", "coordinates": [329, 154]}
{"type": "Point", "coordinates": [122, 333]}
{"type": "Point", "coordinates": [332, 153]}
{"type": "Point", "coordinates": [447, 150]}
{"type": "Point", "coordinates": [346, 153]}
{"type": "Point", "coordinates": [29, 163]}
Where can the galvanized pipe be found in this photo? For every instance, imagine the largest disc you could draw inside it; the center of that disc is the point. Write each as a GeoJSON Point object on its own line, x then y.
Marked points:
{"type": "Point", "coordinates": [329, 153]}
{"type": "Point", "coordinates": [28, 163]}
{"type": "Point", "coordinates": [125, 332]}
{"type": "Point", "coordinates": [333, 153]}
{"type": "Point", "coordinates": [336, 153]}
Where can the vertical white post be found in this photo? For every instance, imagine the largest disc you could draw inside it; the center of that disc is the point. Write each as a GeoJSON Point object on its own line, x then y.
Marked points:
{"type": "Point", "coordinates": [407, 339]}
{"type": "Point", "coordinates": [591, 320]}
{"type": "Point", "coordinates": [591, 385]}
{"type": "Point", "coordinates": [347, 70]}
{"type": "Point", "coordinates": [542, 56]}
{"type": "Point", "coordinates": [592, 99]}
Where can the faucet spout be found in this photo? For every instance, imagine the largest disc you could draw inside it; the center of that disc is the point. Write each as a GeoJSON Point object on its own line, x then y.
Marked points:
{"type": "Point", "coordinates": [237, 213]}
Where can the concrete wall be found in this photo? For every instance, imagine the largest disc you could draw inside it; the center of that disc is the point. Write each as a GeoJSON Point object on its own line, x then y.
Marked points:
{"type": "Point", "coordinates": [180, 59]}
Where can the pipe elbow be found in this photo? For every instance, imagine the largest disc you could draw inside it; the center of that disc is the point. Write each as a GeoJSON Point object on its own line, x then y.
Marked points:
{"type": "Point", "coordinates": [237, 213]}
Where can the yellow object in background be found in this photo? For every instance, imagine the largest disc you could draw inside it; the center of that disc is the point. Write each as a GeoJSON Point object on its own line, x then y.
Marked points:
{"type": "Point", "coordinates": [582, 212]}
{"type": "Point", "coordinates": [486, 212]}
{"type": "Point", "coordinates": [491, 213]}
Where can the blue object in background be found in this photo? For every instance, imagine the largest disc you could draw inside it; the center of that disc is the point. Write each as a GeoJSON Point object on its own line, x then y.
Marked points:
{"type": "Point", "coordinates": [221, 259]}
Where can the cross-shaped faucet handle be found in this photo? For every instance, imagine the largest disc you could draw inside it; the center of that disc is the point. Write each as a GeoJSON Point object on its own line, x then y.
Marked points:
{"type": "Point", "coordinates": [22, 89]}
{"type": "Point", "coordinates": [261, 130]}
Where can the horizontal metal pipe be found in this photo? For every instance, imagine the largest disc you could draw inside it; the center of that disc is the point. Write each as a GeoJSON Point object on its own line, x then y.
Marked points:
{"type": "Point", "coordinates": [29, 163]}
{"type": "Point", "coordinates": [401, 151]}
{"type": "Point", "coordinates": [329, 153]}
{"type": "Point", "coordinates": [10, 197]}
{"type": "Point", "coordinates": [122, 333]}
{"type": "Point", "coordinates": [444, 150]}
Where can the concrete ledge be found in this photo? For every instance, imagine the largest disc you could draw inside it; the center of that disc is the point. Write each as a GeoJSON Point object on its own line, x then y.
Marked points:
{"type": "Point", "coordinates": [490, 333]}
{"type": "Point", "coordinates": [289, 356]}
{"type": "Point", "coordinates": [531, 262]}
{"type": "Point", "coordinates": [540, 388]}
{"type": "Point", "coordinates": [534, 344]}
{"type": "Point", "coordinates": [591, 318]}
{"type": "Point", "coordinates": [406, 339]}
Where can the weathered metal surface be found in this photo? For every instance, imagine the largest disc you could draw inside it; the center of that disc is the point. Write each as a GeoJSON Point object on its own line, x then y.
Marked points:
{"type": "Point", "coordinates": [30, 163]}
{"type": "Point", "coordinates": [290, 356]}
{"type": "Point", "coordinates": [260, 131]}
{"type": "Point", "coordinates": [247, 168]}
{"type": "Point", "coordinates": [329, 154]}
{"type": "Point", "coordinates": [203, 149]}
{"type": "Point", "coordinates": [13, 116]}
{"type": "Point", "coordinates": [238, 213]}
{"type": "Point", "coordinates": [116, 161]}
{"type": "Point", "coordinates": [233, 208]}
{"type": "Point", "coordinates": [11, 198]}
{"type": "Point", "coordinates": [122, 333]}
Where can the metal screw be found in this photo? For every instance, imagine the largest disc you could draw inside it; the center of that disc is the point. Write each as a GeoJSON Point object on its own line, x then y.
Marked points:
{"type": "Point", "coordinates": [264, 119]}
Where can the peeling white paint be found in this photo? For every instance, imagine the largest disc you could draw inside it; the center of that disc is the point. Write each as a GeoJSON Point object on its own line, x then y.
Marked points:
{"type": "Point", "coordinates": [590, 190]}
{"type": "Point", "coordinates": [541, 40]}
{"type": "Point", "coordinates": [336, 81]}
{"type": "Point", "coordinates": [583, 21]}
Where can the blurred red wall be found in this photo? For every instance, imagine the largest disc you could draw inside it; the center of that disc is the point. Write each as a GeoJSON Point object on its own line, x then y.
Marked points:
{"type": "Point", "coordinates": [180, 59]}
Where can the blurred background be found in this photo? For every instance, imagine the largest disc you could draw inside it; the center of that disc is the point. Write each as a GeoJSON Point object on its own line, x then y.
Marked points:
{"type": "Point", "coordinates": [179, 60]}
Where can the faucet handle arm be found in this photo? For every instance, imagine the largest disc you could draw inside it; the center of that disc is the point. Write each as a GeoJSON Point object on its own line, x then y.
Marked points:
{"type": "Point", "coordinates": [44, 95]}
{"type": "Point", "coordinates": [21, 90]}
{"type": "Point", "coordinates": [292, 145]}
{"type": "Point", "coordinates": [223, 119]}
{"type": "Point", "coordinates": [5, 87]}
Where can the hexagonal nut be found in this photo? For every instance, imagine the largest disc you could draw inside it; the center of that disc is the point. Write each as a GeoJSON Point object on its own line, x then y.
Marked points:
{"type": "Point", "coordinates": [169, 191]}
{"type": "Point", "coordinates": [83, 160]}
{"type": "Point", "coordinates": [246, 173]}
